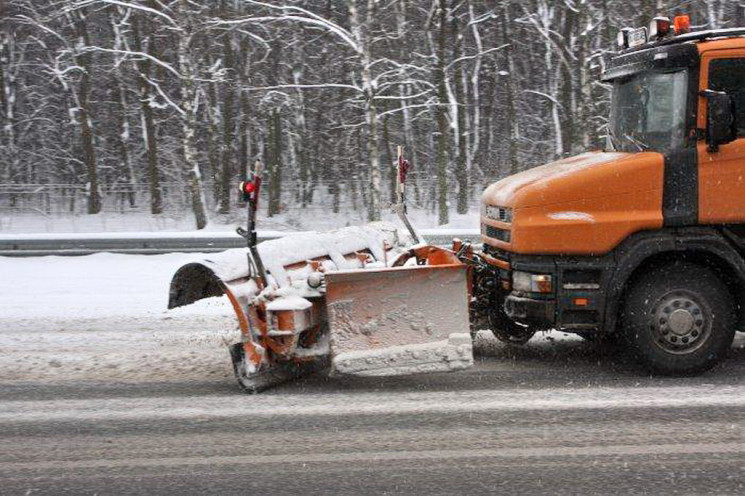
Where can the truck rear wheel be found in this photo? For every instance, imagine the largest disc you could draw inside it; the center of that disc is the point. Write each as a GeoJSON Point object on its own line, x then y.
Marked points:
{"type": "Point", "coordinates": [679, 319]}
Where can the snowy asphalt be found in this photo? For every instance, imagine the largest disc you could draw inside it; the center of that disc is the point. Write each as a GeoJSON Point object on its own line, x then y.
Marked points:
{"type": "Point", "coordinates": [557, 416]}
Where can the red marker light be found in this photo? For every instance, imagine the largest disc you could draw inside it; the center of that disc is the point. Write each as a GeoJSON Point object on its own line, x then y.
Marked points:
{"type": "Point", "coordinates": [248, 187]}
{"type": "Point", "coordinates": [249, 190]}
{"type": "Point", "coordinates": [682, 24]}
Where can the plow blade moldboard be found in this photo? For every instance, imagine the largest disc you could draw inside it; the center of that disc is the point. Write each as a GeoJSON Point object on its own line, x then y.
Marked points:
{"type": "Point", "coordinates": [399, 321]}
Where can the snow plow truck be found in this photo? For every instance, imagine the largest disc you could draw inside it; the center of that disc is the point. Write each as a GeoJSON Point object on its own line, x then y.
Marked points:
{"type": "Point", "coordinates": [643, 242]}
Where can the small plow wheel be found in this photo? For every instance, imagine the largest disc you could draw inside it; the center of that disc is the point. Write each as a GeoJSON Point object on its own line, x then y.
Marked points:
{"type": "Point", "coordinates": [272, 375]}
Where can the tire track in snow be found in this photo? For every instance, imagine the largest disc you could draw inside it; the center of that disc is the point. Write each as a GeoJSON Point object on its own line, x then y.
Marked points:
{"type": "Point", "coordinates": [386, 456]}
{"type": "Point", "coordinates": [293, 405]}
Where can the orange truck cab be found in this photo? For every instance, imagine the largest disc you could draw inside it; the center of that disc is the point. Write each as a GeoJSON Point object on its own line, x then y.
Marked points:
{"type": "Point", "coordinates": [644, 241]}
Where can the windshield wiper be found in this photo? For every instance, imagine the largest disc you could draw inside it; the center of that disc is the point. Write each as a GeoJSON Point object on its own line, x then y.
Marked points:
{"type": "Point", "coordinates": [639, 144]}
{"type": "Point", "coordinates": [612, 139]}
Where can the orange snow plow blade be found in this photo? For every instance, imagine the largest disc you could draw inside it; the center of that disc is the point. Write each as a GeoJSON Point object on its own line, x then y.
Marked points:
{"type": "Point", "coordinates": [399, 320]}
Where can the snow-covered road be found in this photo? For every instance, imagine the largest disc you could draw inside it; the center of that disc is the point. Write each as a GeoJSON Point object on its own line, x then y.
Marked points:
{"type": "Point", "coordinates": [104, 391]}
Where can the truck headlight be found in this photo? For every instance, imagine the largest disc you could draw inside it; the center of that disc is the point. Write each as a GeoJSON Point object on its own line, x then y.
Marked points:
{"type": "Point", "coordinates": [532, 283]}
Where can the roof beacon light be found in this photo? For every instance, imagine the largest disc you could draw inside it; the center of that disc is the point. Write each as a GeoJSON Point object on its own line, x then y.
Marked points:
{"type": "Point", "coordinates": [682, 24]}
{"type": "Point", "coordinates": [659, 28]}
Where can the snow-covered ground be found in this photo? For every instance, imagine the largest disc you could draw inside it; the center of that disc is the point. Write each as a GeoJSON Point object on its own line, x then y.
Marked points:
{"type": "Point", "coordinates": [104, 317]}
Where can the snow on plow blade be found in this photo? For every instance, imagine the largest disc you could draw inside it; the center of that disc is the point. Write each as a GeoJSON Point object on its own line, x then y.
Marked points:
{"type": "Point", "coordinates": [399, 320]}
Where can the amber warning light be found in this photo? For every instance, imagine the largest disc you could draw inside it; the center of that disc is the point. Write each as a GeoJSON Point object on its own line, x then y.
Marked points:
{"type": "Point", "coordinates": [682, 24]}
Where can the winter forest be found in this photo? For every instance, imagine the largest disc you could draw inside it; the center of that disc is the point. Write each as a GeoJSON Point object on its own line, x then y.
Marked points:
{"type": "Point", "coordinates": [159, 106]}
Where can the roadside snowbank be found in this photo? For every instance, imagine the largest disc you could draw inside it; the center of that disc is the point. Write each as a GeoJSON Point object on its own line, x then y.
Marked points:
{"type": "Point", "coordinates": [99, 285]}
{"type": "Point", "coordinates": [292, 221]}
{"type": "Point", "coordinates": [103, 317]}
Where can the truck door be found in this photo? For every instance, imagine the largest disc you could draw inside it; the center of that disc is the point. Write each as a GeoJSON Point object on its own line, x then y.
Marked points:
{"type": "Point", "coordinates": [721, 196]}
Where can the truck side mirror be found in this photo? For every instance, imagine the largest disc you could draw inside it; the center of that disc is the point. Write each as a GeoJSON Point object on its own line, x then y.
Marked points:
{"type": "Point", "coordinates": [720, 121]}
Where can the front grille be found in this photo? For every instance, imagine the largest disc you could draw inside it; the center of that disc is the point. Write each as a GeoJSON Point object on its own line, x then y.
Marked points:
{"type": "Point", "coordinates": [502, 214]}
{"type": "Point", "coordinates": [495, 233]}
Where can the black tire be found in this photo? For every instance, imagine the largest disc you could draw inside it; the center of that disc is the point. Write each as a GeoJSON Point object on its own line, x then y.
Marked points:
{"type": "Point", "coordinates": [679, 319]}
{"type": "Point", "coordinates": [505, 329]}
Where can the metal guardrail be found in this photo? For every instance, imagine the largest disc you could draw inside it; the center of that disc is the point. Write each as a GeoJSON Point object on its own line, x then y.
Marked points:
{"type": "Point", "coordinates": [19, 245]}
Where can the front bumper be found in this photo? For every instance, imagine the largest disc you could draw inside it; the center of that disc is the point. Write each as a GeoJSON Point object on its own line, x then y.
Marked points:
{"type": "Point", "coordinates": [540, 314]}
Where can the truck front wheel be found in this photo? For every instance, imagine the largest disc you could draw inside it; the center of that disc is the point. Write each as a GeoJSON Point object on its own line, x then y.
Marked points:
{"type": "Point", "coordinates": [505, 329]}
{"type": "Point", "coordinates": [679, 319]}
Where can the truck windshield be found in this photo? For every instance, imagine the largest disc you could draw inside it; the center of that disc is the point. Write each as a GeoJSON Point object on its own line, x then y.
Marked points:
{"type": "Point", "coordinates": [648, 112]}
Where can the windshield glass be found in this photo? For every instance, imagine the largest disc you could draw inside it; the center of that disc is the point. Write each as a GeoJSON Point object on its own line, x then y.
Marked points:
{"type": "Point", "coordinates": [648, 112]}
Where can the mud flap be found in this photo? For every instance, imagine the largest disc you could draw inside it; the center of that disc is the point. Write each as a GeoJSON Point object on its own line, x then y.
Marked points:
{"type": "Point", "coordinates": [399, 321]}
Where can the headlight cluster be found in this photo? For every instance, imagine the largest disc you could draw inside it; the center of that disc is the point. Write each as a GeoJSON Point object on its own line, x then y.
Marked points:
{"type": "Point", "coordinates": [502, 214]}
{"type": "Point", "coordinates": [532, 283]}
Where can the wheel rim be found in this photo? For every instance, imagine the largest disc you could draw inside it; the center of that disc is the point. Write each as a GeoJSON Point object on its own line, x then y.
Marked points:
{"type": "Point", "coordinates": [681, 322]}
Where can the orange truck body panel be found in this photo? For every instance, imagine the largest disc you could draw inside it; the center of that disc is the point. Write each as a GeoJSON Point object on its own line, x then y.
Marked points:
{"type": "Point", "coordinates": [580, 205]}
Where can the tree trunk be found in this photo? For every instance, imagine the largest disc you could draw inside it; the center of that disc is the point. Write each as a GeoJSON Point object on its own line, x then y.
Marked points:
{"type": "Point", "coordinates": [567, 83]}
{"type": "Point", "coordinates": [228, 131]}
{"type": "Point", "coordinates": [188, 99]}
{"type": "Point", "coordinates": [476, 128]}
{"type": "Point", "coordinates": [212, 111]}
{"type": "Point", "coordinates": [148, 119]}
{"type": "Point", "coordinates": [121, 141]}
{"type": "Point", "coordinates": [301, 147]}
{"type": "Point", "coordinates": [84, 60]}
{"type": "Point", "coordinates": [461, 169]}
{"type": "Point", "coordinates": [275, 164]}
{"type": "Point", "coordinates": [362, 34]}
{"type": "Point", "coordinates": [8, 100]}
{"type": "Point", "coordinates": [122, 138]}
{"type": "Point", "coordinates": [510, 98]}
{"type": "Point", "coordinates": [442, 127]}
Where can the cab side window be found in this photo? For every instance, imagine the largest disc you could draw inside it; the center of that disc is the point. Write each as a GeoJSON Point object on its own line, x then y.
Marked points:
{"type": "Point", "coordinates": [728, 75]}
